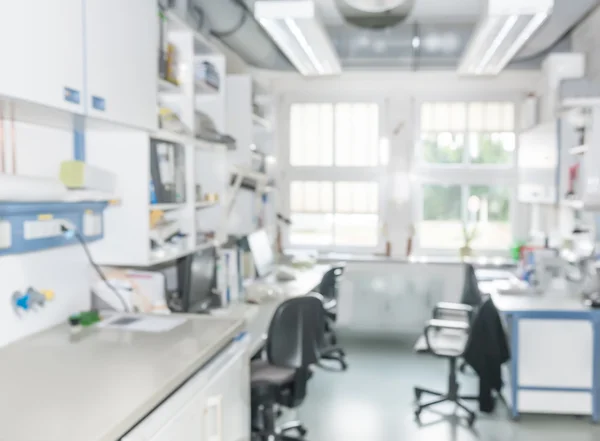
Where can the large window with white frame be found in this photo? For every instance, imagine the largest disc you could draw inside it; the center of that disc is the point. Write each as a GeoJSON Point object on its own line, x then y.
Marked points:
{"type": "Point", "coordinates": [467, 152]}
{"type": "Point", "coordinates": [334, 175]}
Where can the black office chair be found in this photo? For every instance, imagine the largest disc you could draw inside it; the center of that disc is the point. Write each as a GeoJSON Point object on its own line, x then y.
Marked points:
{"type": "Point", "coordinates": [292, 348]}
{"type": "Point", "coordinates": [448, 339]}
{"type": "Point", "coordinates": [329, 290]}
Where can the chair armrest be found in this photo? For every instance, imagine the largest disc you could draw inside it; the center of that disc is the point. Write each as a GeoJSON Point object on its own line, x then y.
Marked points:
{"type": "Point", "coordinates": [447, 324]}
{"type": "Point", "coordinates": [459, 308]}
{"type": "Point", "coordinates": [436, 324]}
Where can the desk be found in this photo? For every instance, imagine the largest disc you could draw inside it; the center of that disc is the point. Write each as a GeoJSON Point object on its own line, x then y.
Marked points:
{"type": "Point", "coordinates": [258, 317]}
{"type": "Point", "coordinates": [101, 384]}
{"type": "Point", "coordinates": [555, 342]}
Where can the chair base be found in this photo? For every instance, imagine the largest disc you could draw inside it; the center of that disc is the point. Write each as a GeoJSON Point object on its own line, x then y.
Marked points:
{"type": "Point", "coordinates": [444, 398]}
{"type": "Point", "coordinates": [451, 396]}
{"type": "Point", "coordinates": [268, 430]}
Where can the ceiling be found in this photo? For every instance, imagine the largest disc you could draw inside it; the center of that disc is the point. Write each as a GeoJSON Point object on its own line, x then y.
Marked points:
{"type": "Point", "coordinates": [424, 11]}
{"type": "Point", "coordinates": [441, 29]}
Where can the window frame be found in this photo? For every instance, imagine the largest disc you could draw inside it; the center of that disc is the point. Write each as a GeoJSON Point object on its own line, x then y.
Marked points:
{"type": "Point", "coordinates": [289, 173]}
{"type": "Point", "coordinates": [464, 174]}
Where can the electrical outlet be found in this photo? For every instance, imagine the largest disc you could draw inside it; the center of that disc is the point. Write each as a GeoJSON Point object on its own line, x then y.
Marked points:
{"type": "Point", "coordinates": [92, 224]}
{"type": "Point", "coordinates": [42, 229]}
{"type": "Point", "coordinates": [5, 235]}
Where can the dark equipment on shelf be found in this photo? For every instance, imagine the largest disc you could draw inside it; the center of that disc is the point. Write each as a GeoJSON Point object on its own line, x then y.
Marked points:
{"type": "Point", "coordinates": [197, 279]}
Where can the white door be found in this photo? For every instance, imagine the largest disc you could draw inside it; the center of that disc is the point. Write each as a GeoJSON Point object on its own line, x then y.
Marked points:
{"type": "Point", "coordinates": [41, 45]}
{"type": "Point", "coordinates": [122, 61]}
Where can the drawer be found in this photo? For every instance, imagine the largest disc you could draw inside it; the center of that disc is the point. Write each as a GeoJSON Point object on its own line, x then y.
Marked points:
{"type": "Point", "coordinates": [568, 403]}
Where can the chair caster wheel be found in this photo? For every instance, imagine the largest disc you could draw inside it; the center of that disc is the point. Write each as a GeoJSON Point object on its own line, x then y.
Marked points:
{"type": "Point", "coordinates": [302, 431]}
{"type": "Point", "coordinates": [471, 420]}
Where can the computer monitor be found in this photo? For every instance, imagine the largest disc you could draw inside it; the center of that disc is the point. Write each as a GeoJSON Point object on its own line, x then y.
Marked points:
{"type": "Point", "coordinates": [262, 253]}
{"type": "Point", "coordinates": [197, 279]}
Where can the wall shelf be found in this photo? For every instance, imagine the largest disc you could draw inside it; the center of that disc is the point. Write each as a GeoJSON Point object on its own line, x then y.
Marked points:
{"type": "Point", "coordinates": [261, 122]}
{"type": "Point", "coordinates": [205, 204]}
{"type": "Point", "coordinates": [579, 150]}
{"type": "Point", "coordinates": [166, 86]}
{"type": "Point", "coordinates": [178, 138]}
{"type": "Point", "coordinates": [575, 204]}
{"type": "Point", "coordinates": [203, 88]}
{"type": "Point", "coordinates": [167, 207]}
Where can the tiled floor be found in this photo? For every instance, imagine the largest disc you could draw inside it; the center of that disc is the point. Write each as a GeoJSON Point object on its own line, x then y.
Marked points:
{"type": "Point", "coordinates": [372, 401]}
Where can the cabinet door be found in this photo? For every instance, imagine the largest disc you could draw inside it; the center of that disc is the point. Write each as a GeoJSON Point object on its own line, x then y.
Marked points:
{"type": "Point", "coordinates": [41, 44]}
{"type": "Point", "coordinates": [228, 391]}
{"type": "Point", "coordinates": [122, 61]}
{"type": "Point", "coordinates": [184, 426]}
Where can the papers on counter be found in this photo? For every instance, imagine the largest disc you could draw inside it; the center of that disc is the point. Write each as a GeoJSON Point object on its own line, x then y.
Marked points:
{"type": "Point", "coordinates": [142, 323]}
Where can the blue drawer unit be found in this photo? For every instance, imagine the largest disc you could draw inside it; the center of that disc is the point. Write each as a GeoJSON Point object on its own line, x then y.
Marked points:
{"type": "Point", "coordinates": [27, 227]}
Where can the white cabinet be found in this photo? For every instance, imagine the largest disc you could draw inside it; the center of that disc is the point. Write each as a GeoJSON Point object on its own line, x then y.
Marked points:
{"type": "Point", "coordinates": [41, 44]}
{"type": "Point", "coordinates": [226, 408]}
{"type": "Point", "coordinates": [121, 39]}
{"type": "Point", "coordinates": [396, 297]}
{"type": "Point", "coordinates": [214, 405]}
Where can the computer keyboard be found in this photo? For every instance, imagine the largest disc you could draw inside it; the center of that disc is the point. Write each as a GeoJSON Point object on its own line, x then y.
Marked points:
{"type": "Point", "coordinates": [286, 273]}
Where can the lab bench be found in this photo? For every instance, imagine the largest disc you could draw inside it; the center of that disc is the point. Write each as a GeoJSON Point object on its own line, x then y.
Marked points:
{"type": "Point", "coordinates": [555, 347]}
{"type": "Point", "coordinates": [117, 384]}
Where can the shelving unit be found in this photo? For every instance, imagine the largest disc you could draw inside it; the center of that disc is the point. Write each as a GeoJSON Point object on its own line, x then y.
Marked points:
{"type": "Point", "coordinates": [202, 167]}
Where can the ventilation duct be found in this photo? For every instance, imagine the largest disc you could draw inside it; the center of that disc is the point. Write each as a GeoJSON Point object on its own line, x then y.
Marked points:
{"type": "Point", "coordinates": [407, 46]}
{"type": "Point", "coordinates": [232, 22]}
{"type": "Point", "coordinates": [375, 14]}
{"type": "Point", "coordinates": [438, 46]}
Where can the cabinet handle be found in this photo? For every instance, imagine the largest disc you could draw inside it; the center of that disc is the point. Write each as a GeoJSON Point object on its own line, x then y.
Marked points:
{"type": "Point", "coordinates": [213, 420]}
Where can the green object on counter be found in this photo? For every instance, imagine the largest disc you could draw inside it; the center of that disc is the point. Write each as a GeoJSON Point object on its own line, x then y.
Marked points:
{"type": "Point", "coordinates": [86, 318]}
{"type": "Point", "coordinates": [515, 251]}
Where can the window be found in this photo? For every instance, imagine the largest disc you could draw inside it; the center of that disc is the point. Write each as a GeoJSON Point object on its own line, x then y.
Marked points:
{"type": "Point", "coordinates": [341, 135]}
{"type": "Point", "coordinates": [468, 133]}
{"type": "Point", "coordinates": [340, 143]}
{"type": "Point", "coordinates": [447, 209]}
{"type": "Point", "coordinates": [460, 139]}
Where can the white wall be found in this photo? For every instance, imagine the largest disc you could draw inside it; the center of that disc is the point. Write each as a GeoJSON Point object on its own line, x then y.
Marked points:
{"type": "Point", "coordinates": [402, 91]}
{"type": "Point", "coordinates": [39, 152]}
{"type": "Point", "coordinates": [586, 39]}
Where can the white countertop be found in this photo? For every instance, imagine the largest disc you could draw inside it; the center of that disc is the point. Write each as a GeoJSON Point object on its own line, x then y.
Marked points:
{"type": "Point", "coordinates": [97, 386]}
{"type": "Point", "coordinates": [537, 302]}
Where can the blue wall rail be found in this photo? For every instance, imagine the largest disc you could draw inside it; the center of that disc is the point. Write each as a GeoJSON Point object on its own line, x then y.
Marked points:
{"type": "Point", "coordinates": [17, 213]}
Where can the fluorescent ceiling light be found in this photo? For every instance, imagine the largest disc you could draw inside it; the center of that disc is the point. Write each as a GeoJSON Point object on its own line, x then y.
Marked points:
{"type": "Point", "coordinates": [295, 27]}
{"type": "Point", "coordinates": [501, 33]}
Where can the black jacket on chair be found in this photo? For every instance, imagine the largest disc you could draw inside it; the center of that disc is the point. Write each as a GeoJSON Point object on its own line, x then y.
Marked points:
{"type": "Point", "coordinates": [486, 352]}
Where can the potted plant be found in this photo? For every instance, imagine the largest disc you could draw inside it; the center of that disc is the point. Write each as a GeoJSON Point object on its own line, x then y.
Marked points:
{"type": "Point", "coordinates": [469, 235]}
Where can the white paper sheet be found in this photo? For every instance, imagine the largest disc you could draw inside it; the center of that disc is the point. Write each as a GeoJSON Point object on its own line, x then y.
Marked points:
{"type": "Point", "coordinates": [143, 323]}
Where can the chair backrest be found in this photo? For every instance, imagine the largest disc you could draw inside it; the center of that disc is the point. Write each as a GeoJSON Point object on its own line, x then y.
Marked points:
{"type": "Point", "coordinates": [322, 324]}
{"type": "Point", "coordinates": [293, 337]}
{"type": "Point", "coordinates": [471, 294]}
{"type": "Point", "coordinates": [328, 287]}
